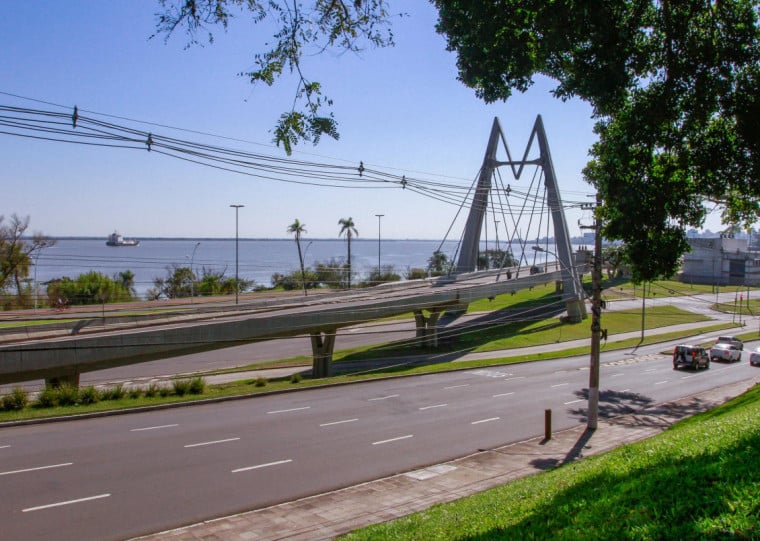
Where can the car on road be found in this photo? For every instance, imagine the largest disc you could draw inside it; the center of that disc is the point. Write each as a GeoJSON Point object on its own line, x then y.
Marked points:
{"type": "Point", "coordinates": [725, 352]}
{"type": "Point", "coordinates": [754, 357]}
{"type": "Point", "coordinates": [734, 341]}
{"type": "Point", "coordinates": [692, 356]}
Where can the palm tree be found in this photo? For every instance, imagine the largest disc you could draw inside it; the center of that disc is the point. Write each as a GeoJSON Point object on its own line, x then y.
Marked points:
{"type": "Point", "coordinates": [297, 228]}
{"type": "Point", "coordinates": [347, 227]}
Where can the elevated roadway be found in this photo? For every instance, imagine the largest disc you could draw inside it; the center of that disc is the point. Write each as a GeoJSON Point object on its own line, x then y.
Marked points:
{"type": "Point", "coordinates": [62, 358]}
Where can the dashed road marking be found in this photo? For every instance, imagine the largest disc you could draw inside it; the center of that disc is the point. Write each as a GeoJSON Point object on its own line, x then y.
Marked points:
{"type": "Point", "coordinates": [490, 419]}
{"type": "Point", "coordinates": [202, 444]}
{"type": "Point", "coordinates": [259, 466]}
{"type": "Point", "coordinates": [381, 442]}
{"type": "Point", "coordinates": [68, 502]}
{"type": "Point", "coordinates": [423, 408]}
{"type": "Point", "coordinates": [344, 421]}
{"type": "Point", "coordinates": [153, 428]}
{"type": "Point", "coordinates": [383, 397]}
{"type": "Point", "coordinates": [38, 468]}
{"type": "Point", "coordinates": [288, 410]}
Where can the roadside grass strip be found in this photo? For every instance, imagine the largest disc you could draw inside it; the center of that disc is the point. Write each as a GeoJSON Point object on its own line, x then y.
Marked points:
{"type": "Point", "coordinates": [697, 480]}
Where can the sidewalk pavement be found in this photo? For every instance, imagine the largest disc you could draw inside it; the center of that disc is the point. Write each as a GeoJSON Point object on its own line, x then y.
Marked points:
{"type": "Point", "coordinates": [328, 515]}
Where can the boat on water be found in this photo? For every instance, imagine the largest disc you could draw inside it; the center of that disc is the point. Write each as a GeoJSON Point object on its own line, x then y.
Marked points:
{"type": "Point", "coordinates": [115, 239]}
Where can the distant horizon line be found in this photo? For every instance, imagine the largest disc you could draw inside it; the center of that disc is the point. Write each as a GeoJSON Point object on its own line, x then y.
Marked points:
{"type": "Point", "coordinates": [574, 240]}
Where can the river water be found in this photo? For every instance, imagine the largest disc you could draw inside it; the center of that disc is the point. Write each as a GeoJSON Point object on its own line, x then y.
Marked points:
{"type": "Point", "coordinates": [258, 259]}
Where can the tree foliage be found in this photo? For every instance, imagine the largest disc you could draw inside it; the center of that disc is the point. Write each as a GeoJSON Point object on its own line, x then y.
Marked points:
{"type": "Point", "coordinates": [18, 256]}
{"type": "Point", "coordinates": [675, 87]}
{"type": "Point", "coordinates": [89, 288]}
{"type": "Point", "coordinates": [301, 29]}
{"type": "Point", "coordinates": [348, 228]}
{"type": "Point", "coordinates": [181, 282]}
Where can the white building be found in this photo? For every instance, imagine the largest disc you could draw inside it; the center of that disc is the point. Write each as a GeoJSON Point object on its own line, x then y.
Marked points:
{"type": "Point", "coordinates": [721, 261]}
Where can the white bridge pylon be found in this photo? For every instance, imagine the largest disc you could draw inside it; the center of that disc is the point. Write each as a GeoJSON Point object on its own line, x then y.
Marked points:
{"type": "Point", "coordinates": [468, 255]}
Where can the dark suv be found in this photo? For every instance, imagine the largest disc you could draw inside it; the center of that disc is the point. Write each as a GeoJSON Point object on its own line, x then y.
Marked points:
{"type": "Point", "coordinates": [692, 356]}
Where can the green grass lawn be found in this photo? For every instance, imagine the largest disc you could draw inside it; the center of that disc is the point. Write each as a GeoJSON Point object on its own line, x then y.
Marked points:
{"type": "Point", "coordinates": [697, 480]}
{"type": "Point", "coordinates": [510, 332]}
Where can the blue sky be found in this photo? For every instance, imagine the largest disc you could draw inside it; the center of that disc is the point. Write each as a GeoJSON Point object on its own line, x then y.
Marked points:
{"type": "Point", "coordinates": [399, 109]}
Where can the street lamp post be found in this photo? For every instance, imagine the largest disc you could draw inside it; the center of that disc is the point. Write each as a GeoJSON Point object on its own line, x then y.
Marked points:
{"type": "Point", "coordinates": [379, 217]}
{"type": "Point", "coordinates": [237, 281]}
{"type": "Point", "coordinates": [192, 274]}
{"type": "Point", "coordinates": [36, 285]}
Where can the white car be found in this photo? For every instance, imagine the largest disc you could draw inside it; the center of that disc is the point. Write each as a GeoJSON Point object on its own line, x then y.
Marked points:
{"type": "Point", "coordinates": [725, 352]}
{"type": "Point", "coordinates": [754, 358]}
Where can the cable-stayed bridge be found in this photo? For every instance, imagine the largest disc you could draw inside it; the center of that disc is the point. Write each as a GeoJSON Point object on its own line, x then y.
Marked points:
{"type": "Point", "coordinates": [531, 216]}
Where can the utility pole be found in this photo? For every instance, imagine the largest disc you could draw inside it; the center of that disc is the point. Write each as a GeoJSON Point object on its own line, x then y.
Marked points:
{"type": "Point", "coordinates": [596, 323]}
{"type": "Point", "coordinates": [237, 280]}
{"type": "Point", "coordinates": [379, 273]}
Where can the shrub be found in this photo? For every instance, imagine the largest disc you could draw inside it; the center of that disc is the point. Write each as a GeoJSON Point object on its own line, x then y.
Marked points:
{"type": "Point", "coordinates": [17, 400]}
{"type": "Point", "coordinates": [134, 393]}
{"type": "Point", "coordinates": [295, 378]}
{"type": "Point", "coordinates": [88, 395]}
{"type": "Point", "coordinates": [68, 395]}
{"type": "Point", "coordinates": [164, 391]}
{"type": "Point", "coordinates": [181, 386]}
{"type": "Point", "coordinates": [47, 398]}
{"type": "Point", "coordinates": [113, 393]}
{"type": "Point", "coordinates": [197, 385]}
{"type": "Point", "coordinates": [152, 390]}
{"type": "Point", "coordinates": [260, 382]}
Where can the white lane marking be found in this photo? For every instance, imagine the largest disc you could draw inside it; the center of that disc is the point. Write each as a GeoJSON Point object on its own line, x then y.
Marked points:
{"type": "Point", "coordinates": [288, 410]}
{"type": "Point", "coordinates": [514, 378]}
{"type": "Point", "coordinates": [651, 370]}
{"type": "Point", "coordinates": [4, 446]}
{"type": "Point", "coordinates": [37, 468]}
{"type": "Point", "coordinates": [153, 428]}
{"type": "Point", "coordinates": [268, 464]}
{"type": "Point", "coordinates": [485, 420]}
{"type": "Point", "coordinates": [393, 439]}
{"type": "Point", "coordinates": [618, 374]}
{"type": "Point", "coordinates": [687, 377]}
{"type": "Point", "coordinates": [383, 397]}
{"type": "Point", "coordinates": [560, 385]}
{"type": "Point", "coordinates": [661, 382]}
{"type": "Point", "coordinates": [68, 502]}
{"type": "Point", "coordinates": [339, 422]}
{"type": "Point", "coordinates": [574, 402]}
{"type": "Point", "coordinates": [423, 408]}
{"type": "Point", "coordinates": [456, 386]}
{"type": "Point", "coordinates": [625, 390]}
{"type": "Point", "coordinates": [502, 394]}
{"type": "Point", "coordinates": [210, 442]}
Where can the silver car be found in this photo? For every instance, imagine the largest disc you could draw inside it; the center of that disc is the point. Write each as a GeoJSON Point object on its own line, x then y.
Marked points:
{"type": "Point", "coordinates": [754, 357]}
{"type": "Point", "coordinates": [725, 352]}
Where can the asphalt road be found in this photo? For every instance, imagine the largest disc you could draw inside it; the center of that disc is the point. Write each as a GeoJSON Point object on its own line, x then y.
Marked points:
{"type": "Point", "coordinates": [122, 476]}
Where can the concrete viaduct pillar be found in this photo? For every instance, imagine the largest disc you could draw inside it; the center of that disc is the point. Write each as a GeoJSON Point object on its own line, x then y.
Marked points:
{"type": "Point", "coordinates": [427, 327]}
{"type": "Point", "coordinates": [322, 347]}
{"type": "Point", "coordinates": [69, 380]}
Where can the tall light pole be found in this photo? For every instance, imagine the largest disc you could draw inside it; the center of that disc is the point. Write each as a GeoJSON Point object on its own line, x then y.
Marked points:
{"type": "Point", "coordinates": [192, 274]}
{"type": "Point", "coordinates": [237, 281]}
{"type": "Point", "coordinates": [379, 217]}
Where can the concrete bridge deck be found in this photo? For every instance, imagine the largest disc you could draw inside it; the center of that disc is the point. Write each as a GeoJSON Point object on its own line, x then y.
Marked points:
{"type": "Point", "coordinates": [86, 348]}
